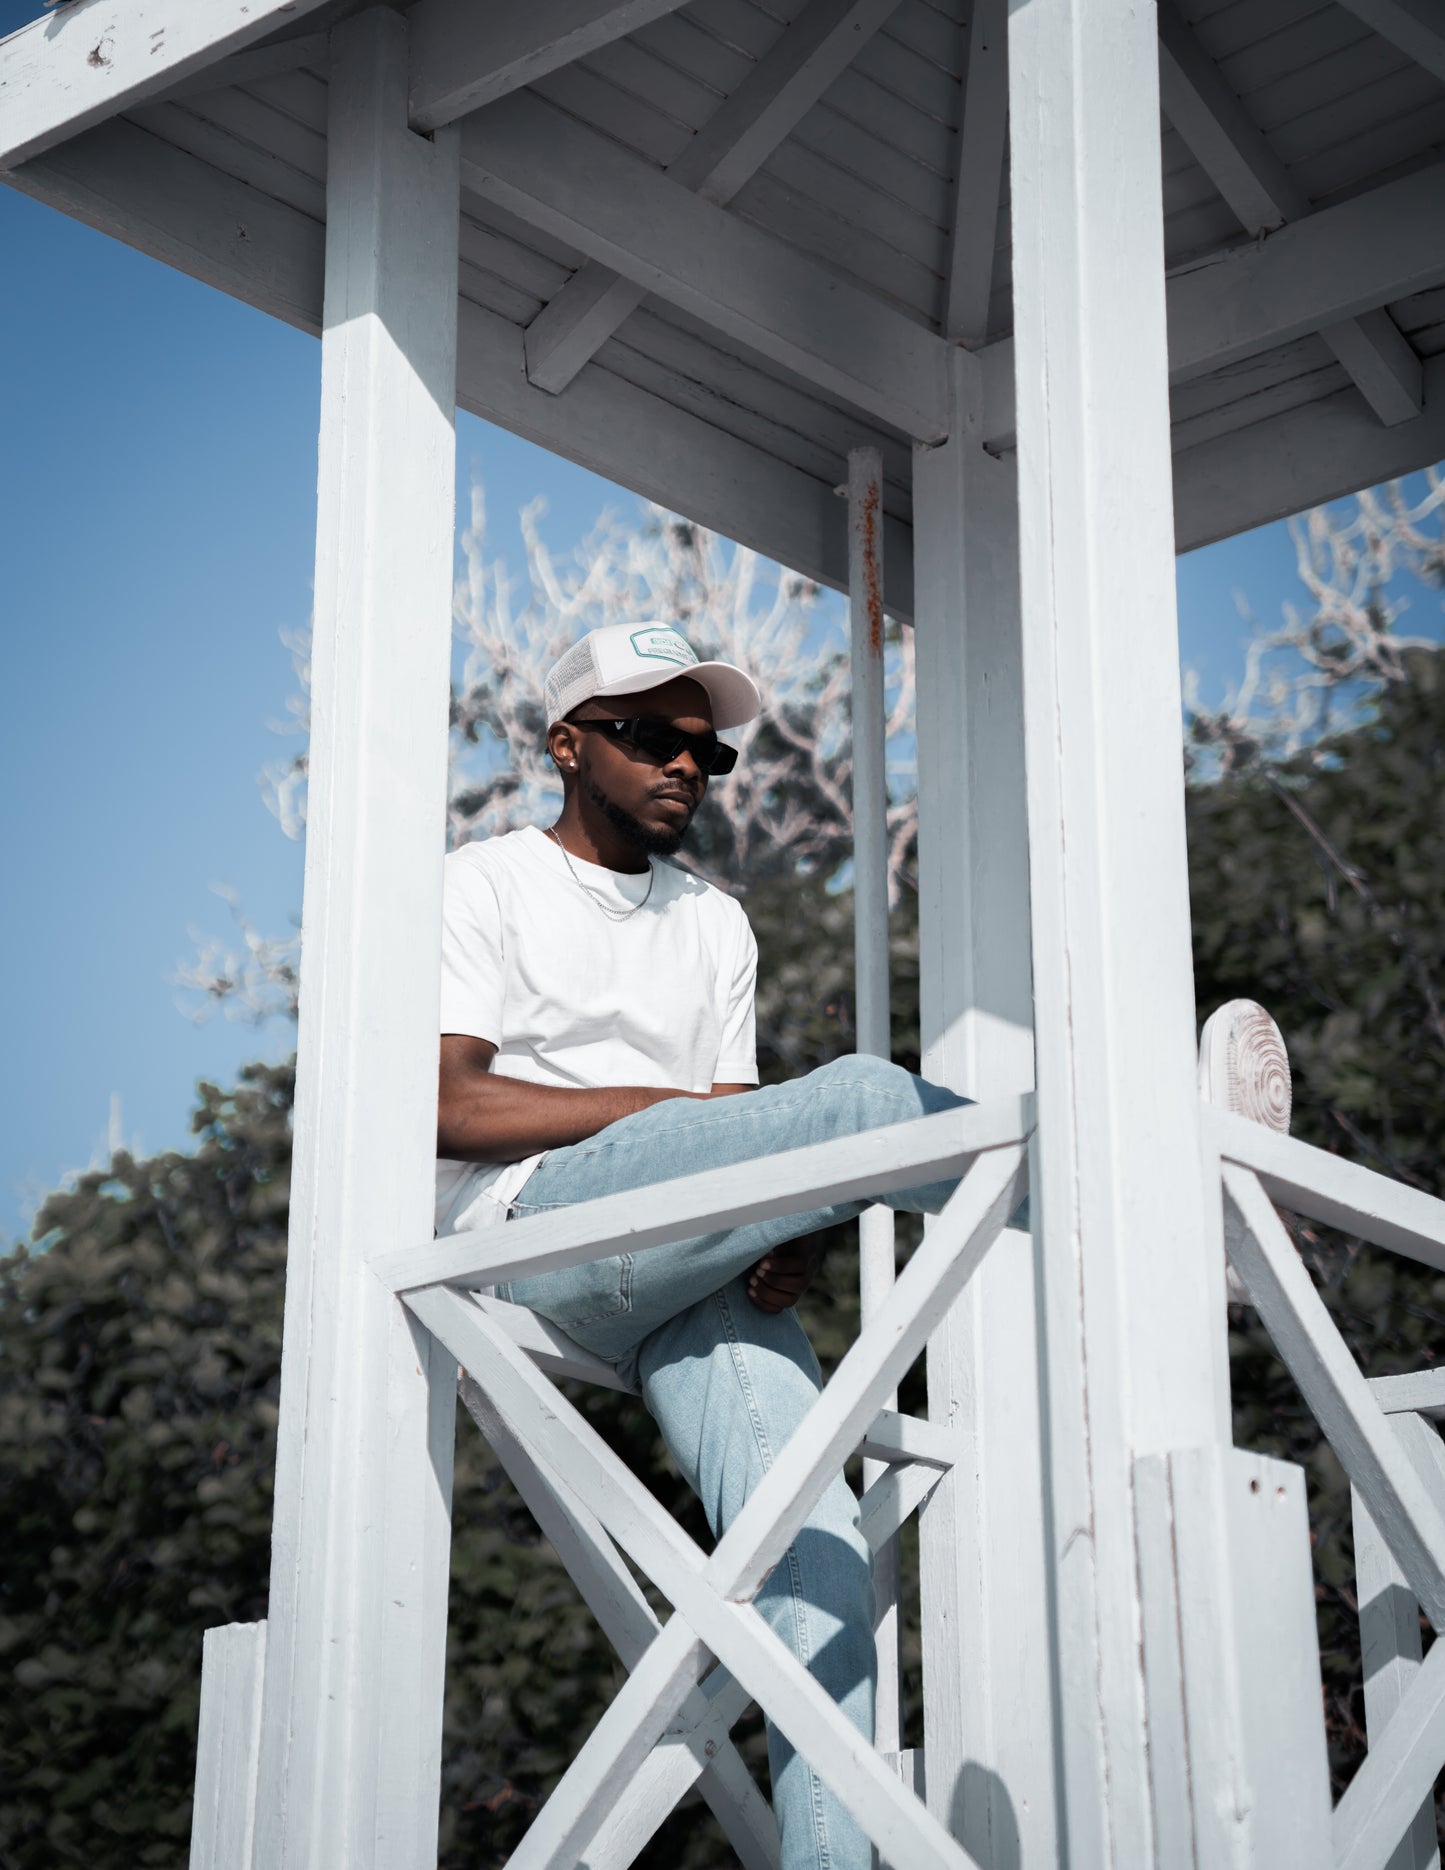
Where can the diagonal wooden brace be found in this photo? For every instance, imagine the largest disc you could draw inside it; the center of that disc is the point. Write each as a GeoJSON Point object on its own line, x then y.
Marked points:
{"type": "Point", "coordinates": [701, 1753]}
{"type": "Point", "coordinates": [1331, 1382]}
{"type": "Point", "coordinates": [710, 1603]}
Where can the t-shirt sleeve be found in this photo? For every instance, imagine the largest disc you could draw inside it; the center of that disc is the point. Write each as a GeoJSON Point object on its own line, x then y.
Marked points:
{"type": "Point", "coordinates": [473, 963]}
{"type": "Point", "coordinates": [738, 1057]}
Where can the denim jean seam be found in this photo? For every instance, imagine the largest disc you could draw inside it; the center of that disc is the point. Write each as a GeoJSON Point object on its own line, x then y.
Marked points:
{"type": "Point", "coordinates": [581, 1152]}
{"type": "Point", "coordinates": [790, 1558]}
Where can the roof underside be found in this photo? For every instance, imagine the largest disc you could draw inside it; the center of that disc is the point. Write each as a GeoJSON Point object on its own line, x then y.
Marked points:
{"type": "Point", "coordinates": [866, 184]}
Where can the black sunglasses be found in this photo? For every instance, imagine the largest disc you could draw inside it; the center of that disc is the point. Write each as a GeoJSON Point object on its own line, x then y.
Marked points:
{"type": "Point", "coordinates": [659, 740]}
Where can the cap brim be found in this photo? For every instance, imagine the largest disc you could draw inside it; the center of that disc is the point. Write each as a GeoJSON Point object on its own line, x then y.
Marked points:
{"type": "Point", "coordinates": [733, 695]}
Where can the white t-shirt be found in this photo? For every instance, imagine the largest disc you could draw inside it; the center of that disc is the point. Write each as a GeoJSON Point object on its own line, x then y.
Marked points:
{"type": "Point", "coordinates": [571, 997]}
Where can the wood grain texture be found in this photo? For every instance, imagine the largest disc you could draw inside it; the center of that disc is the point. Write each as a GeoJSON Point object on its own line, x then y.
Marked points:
{"type": "Point", "coordinates": [223, 1813]}
{"type": "Point", "coordinates": [80, 64]}
{"type": "Point", "coordinates": [356, 1640]}
{"type": "Point", "coordinates": [876, 1161]}
{"type": "Point", "coordinates": [464, 56]}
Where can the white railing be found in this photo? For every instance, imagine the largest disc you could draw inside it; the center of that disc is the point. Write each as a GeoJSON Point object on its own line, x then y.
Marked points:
{"type": "Point", "coordinates": [668, 1730]}
{"type": "Point", "coordinates": [1386, 1443]}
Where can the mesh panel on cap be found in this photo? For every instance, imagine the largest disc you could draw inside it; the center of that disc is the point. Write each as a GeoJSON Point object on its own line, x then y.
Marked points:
{"type": "Point", "coordinates": [570, 681]}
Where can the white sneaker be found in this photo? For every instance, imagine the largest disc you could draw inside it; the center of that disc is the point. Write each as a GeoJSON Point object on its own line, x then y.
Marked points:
{"type": "Point", "coordinates": [1244, 1067]}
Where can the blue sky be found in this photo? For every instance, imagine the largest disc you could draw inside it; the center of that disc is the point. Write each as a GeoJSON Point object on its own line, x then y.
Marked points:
{"type": "Point", "coordinates": [157, 505]}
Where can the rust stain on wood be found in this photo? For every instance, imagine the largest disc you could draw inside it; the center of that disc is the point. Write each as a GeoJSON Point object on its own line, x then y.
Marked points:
{"type": "Point", "coordinates": [872, 583]}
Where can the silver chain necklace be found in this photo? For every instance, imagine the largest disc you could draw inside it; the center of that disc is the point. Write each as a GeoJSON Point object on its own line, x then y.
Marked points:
{"type": "Point", "coordinates": [612, 915]}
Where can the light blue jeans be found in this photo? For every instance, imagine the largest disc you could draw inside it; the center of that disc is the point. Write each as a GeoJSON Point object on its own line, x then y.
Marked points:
{"type": "Point", "coordinates": [728, 1383]}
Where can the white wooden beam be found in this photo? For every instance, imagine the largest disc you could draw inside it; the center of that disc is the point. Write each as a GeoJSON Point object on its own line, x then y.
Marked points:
{"type": "Point", "coordinates": [1300, 459]}
{"type": "Point", "coordinates": [1409, 1517]}
{"type": "Point", "coordinates": [733, 1630]}
{"type": "Point", "coordinates": [311, 51]}
{"type": "Point", "coordinates": [1127, 1301]}
{"type": "Point", "coordinates": [986, 1690]}
{"type": "Point", "coordinates": [698, 1752]}
{"type": "Point", "coordinates": [223, 1812]}
{"type": "Point", "coordinates": [1416, 27]}
{"type": "Point", "coordinates": [875, 1162]}
{"type": "Point", "coordinates": [464, 55]}
{"type": "Point", "coordinates": [1390, 1645]}
{"type": "Point", "coordinates": [598, 198]}
{"type": "Point", "coordinates": [732, 145]}
{"type": "Point", "coordinates": [1264, 195]}
{"type": "Point", "coordinates": [1338, 263]}
{"type": "Point", "coordinates": [1329, 1188]}
{"type": "Point", "coordinates": [669, 455]}
{"type": "Point", "coordinates": [125, 182]}
{"type": "Point", "coordinates": [356, 1637]}
{"type": "Point", "coordinates": [80, 64]}
{"type": "Point", "coordinates": [1417, 1392]}
{"type": "Point", "coordinates": [978, 179]}
{"type": "Point", "coordinates": [1219, 132]}
{"type": "Point", "coordinates": [129, 183]}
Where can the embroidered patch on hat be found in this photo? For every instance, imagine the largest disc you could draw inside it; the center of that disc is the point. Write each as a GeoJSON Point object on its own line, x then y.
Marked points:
{"type": "Point", "coordinates": [662, 646]}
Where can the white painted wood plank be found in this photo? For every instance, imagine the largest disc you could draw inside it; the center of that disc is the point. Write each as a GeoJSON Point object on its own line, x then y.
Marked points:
{"type": "Point", "coordinates": [351, 1726]}
{"type": "Point", "coordinates": [1221, 135]}
{"type": "Point", "coordinates": [223, 1815]}
{"type": "Point", "coordinates": [667, 454]}
{"type": "Point", "coordinates": [128, 183]}
{"type": "Point", "coordinates": [1264, 195]}
{"type": "Point", "coordinates": [950, 1253]}
{"type": "Point", "coordinates": [1390, 1658]}
{"type": "Point", "coordinates": [548, 1345]}
{"type": "Point", "coordinates": [308, 50]}
{"type": "Point", "coordinates": [1382, 363]}
{"type": "Point", "coordinates": [464, 56]}
{"type": "Point", "coordinates": [873, 1162]}
{"type": "Point", "coordinates": [884, 1509]}
{"type": "Point", "coordinates": [1127, 1312]}
{"type": "Point", "coordinates": [1298, 460]}
{"type": "Point", "coordinates": [83, 63]}
{"type": "Point", "coordinates": [987, 1703]}
{"type": "Point", "coordinates": [615, 208]}
{"type": "Point", "coordinates": [1277, 1643]}
{"type": "Point", "coordinates": [698, 1751]}
{"type": "Point", "coordinates": [1332, 1189]}
{"type": "Point", "coordinates": [1398, 1773]}
{"type": "Point", "coordinates": [1417, 27]}
{"type": "Point", "coordinates": [978, 177]}
{"type": "Point", "coordinates": [1338, 263]}
{"type": "Point", "coordinates": [902, 1438]}
{"type": "Point", "coordinates": [723, 154]}
{"type": "Point", "coordinates": [1329, 1379]}
{"type": "Point", "coordinates": [733, 1630]}
{"type": "Point", "coordinates": [1421, 1392]}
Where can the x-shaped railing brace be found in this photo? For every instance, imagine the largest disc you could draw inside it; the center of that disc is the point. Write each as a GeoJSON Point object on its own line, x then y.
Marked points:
{"type": "Point", "coordinates": [1406, 1504]}
{"type": "Point", "coordinates": [643, 1750]}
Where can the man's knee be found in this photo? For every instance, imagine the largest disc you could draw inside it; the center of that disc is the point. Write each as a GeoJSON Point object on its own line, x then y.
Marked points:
{"type": "Point", "coordinates": [868, 1091]}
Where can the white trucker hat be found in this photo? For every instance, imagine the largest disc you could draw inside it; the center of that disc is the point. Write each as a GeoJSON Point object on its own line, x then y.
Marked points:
{"type": "Point", "coordinates": [625, 658]}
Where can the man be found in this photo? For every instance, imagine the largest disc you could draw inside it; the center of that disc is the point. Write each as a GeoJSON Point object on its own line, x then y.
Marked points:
{"type": "Point", "coordinates": [597, 1036]}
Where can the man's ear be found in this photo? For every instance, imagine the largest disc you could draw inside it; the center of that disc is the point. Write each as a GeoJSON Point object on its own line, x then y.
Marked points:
{"type": "Point", "coordinates": [563, 745]}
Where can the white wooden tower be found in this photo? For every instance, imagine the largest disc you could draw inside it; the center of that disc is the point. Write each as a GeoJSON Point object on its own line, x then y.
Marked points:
{"type": "Point", "coordinates": [734, 254]}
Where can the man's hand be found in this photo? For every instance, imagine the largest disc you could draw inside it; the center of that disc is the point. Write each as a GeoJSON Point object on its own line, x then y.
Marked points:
{"type": "Point", "coordinates": [783, 1275]}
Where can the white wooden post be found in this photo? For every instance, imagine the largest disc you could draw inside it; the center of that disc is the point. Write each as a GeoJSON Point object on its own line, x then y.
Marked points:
{"type": "Point", "coordinates": [876, 1259]}
{"type": "Point", "coordinates": [988, 1764]}
{"type": "Point", "coordinates": [351, 1726]}
{"type": "Point", "coordinates": [1390, 1628]}
{"type": "Point", "coordinates": [1128, 1311]}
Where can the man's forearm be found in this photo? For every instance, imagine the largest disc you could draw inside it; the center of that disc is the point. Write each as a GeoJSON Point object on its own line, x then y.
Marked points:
{"type": "Point", "coordinates": [498, 1119]}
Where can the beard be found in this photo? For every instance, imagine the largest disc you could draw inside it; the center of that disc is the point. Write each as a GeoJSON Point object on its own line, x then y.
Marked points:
{"type": "Point", "coordinates": [652, 843]}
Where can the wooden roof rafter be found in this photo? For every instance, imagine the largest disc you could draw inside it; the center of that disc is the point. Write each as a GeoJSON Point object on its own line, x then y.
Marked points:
{"type": "Point", "coordinates": [1265, 196]}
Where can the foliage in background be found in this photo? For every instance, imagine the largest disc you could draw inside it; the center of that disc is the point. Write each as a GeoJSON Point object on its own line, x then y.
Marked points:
{"type": "Point", "coordinates": [139, 1349]}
